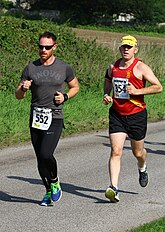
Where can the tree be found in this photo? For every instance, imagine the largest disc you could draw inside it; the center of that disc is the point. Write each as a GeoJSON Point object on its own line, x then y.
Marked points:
{"type": "Point", "coordinates": [144, 11]}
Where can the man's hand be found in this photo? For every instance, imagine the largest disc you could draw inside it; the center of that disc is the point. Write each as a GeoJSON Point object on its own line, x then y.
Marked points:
{"type": "Point", "coordinates": [26, 85]}
{"type": "Point", "coordinates": [131, 89]}
{"type": "Point", "coordinates": [59, 98]}
{"type": "Point", "coordinates": [107, 99]}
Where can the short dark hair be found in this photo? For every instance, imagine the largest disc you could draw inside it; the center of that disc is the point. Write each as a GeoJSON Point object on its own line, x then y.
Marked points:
{"type": "Point", "coordinates": [48, 34]}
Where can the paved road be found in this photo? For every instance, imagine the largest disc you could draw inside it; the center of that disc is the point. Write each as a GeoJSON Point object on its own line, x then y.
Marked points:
{"type": "Point", "coordinates": [83, 173]}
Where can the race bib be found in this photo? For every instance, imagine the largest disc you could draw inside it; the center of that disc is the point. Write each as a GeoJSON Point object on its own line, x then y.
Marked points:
{"type": "Point", "coordinates": [120, 88]}
{"type": "Point", "coordinates": [42, 118]}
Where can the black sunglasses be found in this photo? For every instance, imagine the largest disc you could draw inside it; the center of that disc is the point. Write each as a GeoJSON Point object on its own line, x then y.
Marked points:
{"type": "Point", "coordinates": [47, 47]}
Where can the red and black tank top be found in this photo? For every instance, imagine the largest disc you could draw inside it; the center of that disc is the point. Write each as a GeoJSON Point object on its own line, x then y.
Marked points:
{"type": "Point", "coordinates": [124, 103]}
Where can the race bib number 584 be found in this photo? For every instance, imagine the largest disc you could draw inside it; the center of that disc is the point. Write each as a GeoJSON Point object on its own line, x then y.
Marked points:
{"type": "Point", "coordinates": [120, 88]}
{"type": "Point", "coordinates": [42, 118]}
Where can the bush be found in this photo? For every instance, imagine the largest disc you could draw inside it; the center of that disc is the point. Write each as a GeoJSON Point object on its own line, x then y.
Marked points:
{"type": "Point", "coordinates": [18, 46]}
{"type": "Point", "coordinates": [6, 4]}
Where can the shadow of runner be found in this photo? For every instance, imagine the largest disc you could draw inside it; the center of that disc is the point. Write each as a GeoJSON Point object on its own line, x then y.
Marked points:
{"type": "Point", "coordinates": [10, 198]}
{"type": "Point", "coordinates": [72, 189]}
{"type": "Point", "coordinates": [149, 150]}
{"type": "Point", "coordinates": [69, 188]}
{"type": "Point", "coordinates": [25, 179]}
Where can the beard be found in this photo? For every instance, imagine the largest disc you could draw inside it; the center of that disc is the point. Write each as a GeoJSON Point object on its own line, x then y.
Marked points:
{"type": "Point", "coordinates": [45, 56]}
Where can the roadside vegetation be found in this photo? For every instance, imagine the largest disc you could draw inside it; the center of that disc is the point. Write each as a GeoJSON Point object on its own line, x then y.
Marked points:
{"type": "Point", "coordinates": [140, 29]}
{"type": "Point", "coordinates": [155, 226]}
{"type": "Point", "coordinates": [85, 112]}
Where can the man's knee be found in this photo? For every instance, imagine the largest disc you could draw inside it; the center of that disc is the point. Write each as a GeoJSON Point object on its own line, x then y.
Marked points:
{"type": "Point", "coordinates": [116, 152]}
{"type": "Point", "coordinates": [139, 152]}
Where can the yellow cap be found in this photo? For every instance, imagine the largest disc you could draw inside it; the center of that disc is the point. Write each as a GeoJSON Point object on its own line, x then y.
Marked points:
{"type": "Point", "coordinates": [128, 40]}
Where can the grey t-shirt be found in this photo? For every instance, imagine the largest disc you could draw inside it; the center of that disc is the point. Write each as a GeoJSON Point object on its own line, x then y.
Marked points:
{"type": "Point", "coordinates": [47, 79]}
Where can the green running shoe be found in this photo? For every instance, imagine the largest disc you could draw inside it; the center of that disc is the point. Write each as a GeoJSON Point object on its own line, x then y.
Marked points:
{"type": "Point", "coordinates": [56, 191]}
{"type": "Point", "coordinates": [47, 200]}
{"type": "Point", "coordinates": [112, 194]}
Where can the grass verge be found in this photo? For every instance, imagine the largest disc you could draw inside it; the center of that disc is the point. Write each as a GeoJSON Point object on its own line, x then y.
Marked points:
{"type": "Point", "coordinates": [155, 226]}
{"type": "Point", "coordinates": [84, 113]}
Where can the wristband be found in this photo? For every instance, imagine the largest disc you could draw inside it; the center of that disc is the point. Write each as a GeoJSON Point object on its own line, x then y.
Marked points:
{"type": "Point", "coordinates": [105, 94]}
{"type": "Point", "coordinates": [23, 89]}
{"type": "Point", "coordinates": [65, 97]}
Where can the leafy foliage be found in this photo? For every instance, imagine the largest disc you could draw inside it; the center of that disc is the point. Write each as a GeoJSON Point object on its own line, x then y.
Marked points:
{"type": "Point", "coordinates": [6, 4]}
{"type": "Point", "coordinates": [148, 11]}
{"type": "Point", "coordinates": [18, 46]}
{"type": "Point", "coordinates": [85, 112]}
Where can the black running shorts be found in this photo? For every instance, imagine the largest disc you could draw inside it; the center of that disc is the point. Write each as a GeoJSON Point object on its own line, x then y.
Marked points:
{"type": "Point", "coordinates": [134, 125]}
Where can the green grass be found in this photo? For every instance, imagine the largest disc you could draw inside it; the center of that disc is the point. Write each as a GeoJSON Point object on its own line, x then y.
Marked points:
{"type": "Point", "coordinates": [135, 29]}
{"type": "Point", "coordinates": [86, 111]}
{"type": "Point", "coordinates": [155, 226]}
{"type": "Point", "coordinates": [13, 120]}
{"type": "Point", "coordinates": [83, 113]}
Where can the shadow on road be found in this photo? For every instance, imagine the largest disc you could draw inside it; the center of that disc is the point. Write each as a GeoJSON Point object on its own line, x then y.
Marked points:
{"type": "Point", "coordinates": [149, 150]}
{"type": "Point", "coordinates": [66, 187]}
{"type": "Point", "coordinates": [10, 198]}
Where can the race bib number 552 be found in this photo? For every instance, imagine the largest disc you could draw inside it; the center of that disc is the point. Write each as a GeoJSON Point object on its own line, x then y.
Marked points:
{"type": "Point", "coordinates": [42, 118]}
{"type": "Point", "coordinates": [120, 88]}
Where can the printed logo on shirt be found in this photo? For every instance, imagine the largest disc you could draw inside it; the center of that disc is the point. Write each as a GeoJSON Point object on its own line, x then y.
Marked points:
{"type": "Point", "coordinates": [128, 74]}
{"type": "Point", "coordinates": [46, 75]}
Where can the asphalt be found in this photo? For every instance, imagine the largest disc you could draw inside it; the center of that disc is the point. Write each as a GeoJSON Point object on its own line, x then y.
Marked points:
{"type": "Point", "coordinates": [83, 172]}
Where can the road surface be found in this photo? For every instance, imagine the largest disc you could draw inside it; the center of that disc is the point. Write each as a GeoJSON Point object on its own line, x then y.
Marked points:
{"type": "Point", "coordinates": [83, 172]}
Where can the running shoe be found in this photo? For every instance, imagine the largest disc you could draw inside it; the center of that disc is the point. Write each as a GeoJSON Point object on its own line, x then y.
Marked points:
{"type": "Point", "coordinates": [143, 178]}
{"type": "Point", "coordinates": [47, 200]}
{"type": "Point", "coordinates": [112, 194]}
{"type": "Point", "coordinates": [56, 191]}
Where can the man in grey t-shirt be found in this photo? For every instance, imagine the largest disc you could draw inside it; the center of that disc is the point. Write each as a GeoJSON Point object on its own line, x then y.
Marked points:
{"type": "Point", "coordinates": [46, 79]}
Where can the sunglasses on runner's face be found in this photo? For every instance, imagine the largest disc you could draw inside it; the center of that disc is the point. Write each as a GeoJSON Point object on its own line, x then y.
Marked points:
{"type": "Point", "coordinates": [47, 47]}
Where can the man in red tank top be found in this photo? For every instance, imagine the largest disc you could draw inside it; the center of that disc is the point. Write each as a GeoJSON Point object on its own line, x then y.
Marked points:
{"type": "Point", "coordinates": [127, 115]}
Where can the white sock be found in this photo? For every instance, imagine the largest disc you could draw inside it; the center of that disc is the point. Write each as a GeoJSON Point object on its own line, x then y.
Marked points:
{"type": "Point", "coordinates": [115, 187]}
{"type": "Point", "coordinates": [143, 168]}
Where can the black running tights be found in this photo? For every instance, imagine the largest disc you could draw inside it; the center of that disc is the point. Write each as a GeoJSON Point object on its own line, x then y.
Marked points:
{"type": "Point", "coordinates": [45, 143]}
